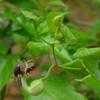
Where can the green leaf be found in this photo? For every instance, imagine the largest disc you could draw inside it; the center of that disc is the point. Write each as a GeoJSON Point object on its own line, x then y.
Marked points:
{"type": "Point", "coordinates": [74, 64]}
{"type": "Point", "coordinates": [37, 48]}
{"type": "Point", "coordinates": [54, 20]}
{"type": "Point", "coordinates": [57, 88]}
{"type": "Point", "coordinates": [87, 52]}
{"type": "Point", "coordinates": [6, 72]}
{"type": "Point", "coordinates": [93, 67]}
{"type": "Point", "coordinates": [43, 28]}
{"type": "Point", "coordinates": [83, 39]}
{"type": "Point", "coordinates": [62, 54]}
{"type": "Point", "coordinates": [69, 35]}
{"type": "Point", "coordinates": [90, 58]}
{"type": "Point", "coordinates": [27, 24]}
{"type": "Point", "coordinates": [18, 38]}
{"type": "Point", "coordinates": [29, 15]}
{"type": "Point", "coordinates": [3, 48]}
{"type": "Point", "coordinates": [92, 83]}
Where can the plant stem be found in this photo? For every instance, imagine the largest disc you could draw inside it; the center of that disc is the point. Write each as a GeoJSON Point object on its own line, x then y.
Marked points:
{"type": "Point", "coordinates": [48, 73]}
{"type": "Point", "coordinates": [53, 52]}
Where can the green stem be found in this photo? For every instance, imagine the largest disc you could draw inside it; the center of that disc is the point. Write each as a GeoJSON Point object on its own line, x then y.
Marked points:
{"type": "Point", "coordinates": [84, 78]}
{"type": "Point", "coordinates": [53, 52]}
{"type": "Point", "coordinates": [48, 73]}
{"type": "Point", "coordinates": [70, 68]}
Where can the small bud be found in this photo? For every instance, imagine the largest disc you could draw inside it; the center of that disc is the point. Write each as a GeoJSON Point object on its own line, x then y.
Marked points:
{"type": "Point", "coordinates": [35, 87]}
